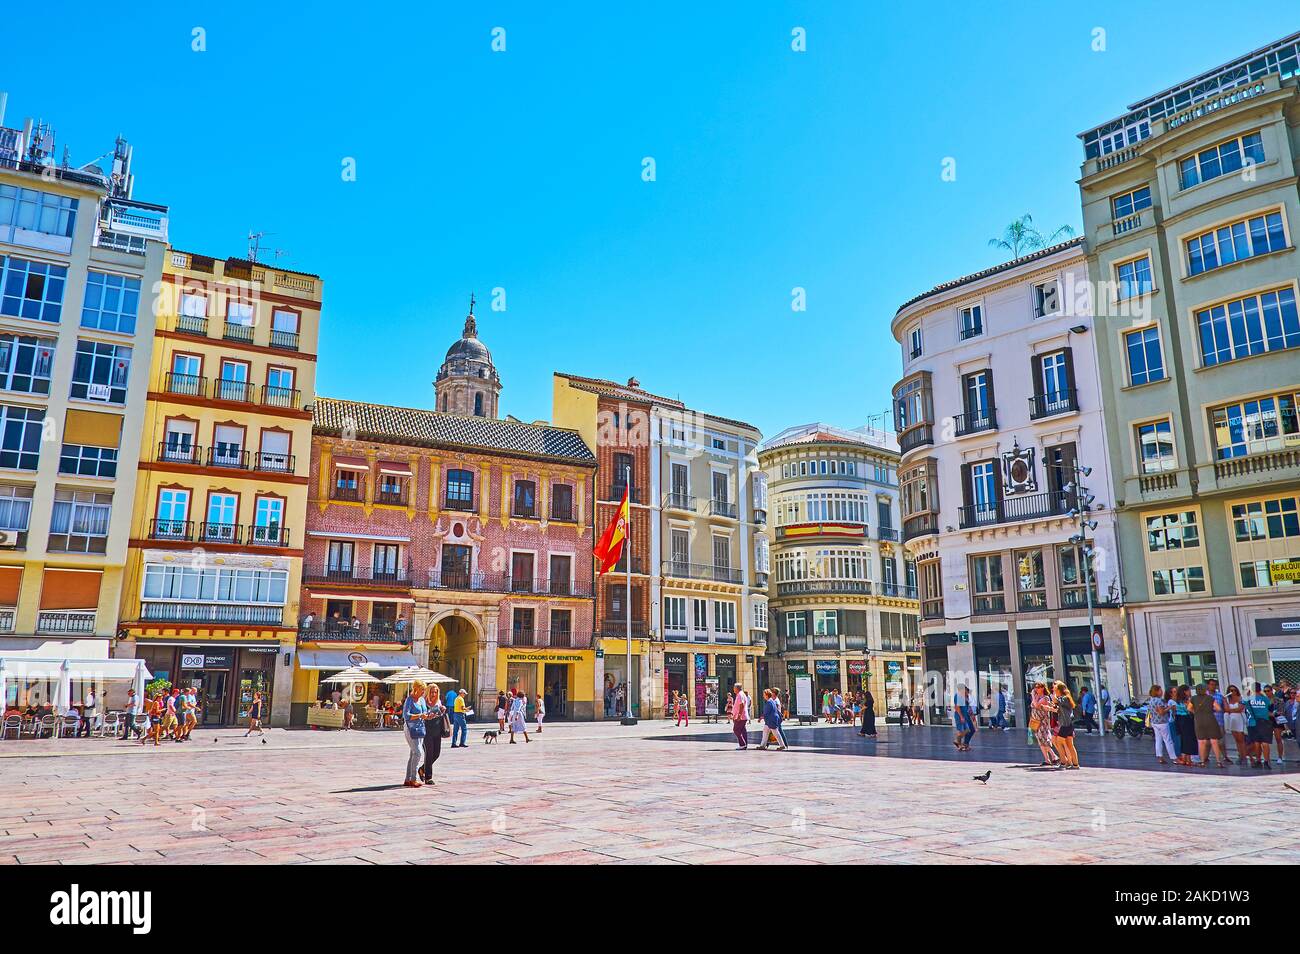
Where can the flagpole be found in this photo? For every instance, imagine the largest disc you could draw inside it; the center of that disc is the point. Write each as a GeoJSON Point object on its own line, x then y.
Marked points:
{"type": "Point", "coordinates": [628, 718]}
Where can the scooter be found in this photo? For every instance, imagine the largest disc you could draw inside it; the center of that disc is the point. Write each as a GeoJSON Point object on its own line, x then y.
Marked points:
{"type": "Point", "coordinates": [1131, 720]}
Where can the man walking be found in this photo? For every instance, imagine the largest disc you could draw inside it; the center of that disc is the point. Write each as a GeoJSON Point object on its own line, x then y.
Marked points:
{"type": "Point", "coordinates": [459, 729]}
{"type": "Point", "coordinates": [1000, 720]}
{"type": "Point", "coordinates": [1088, 703]}
{"type": "Point", "coordinates": [128, 716]}
{"type": "Point", "coordinates": [740, 717]}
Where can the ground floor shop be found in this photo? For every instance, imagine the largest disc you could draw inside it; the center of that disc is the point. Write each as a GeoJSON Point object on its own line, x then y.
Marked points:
{"type": "Point", "coordinates": [315, 662]}
{"type": "Point", "coordinates": [1011, 657]}
{"type": "Point", "coordinates": [705, 673]}
{"type": "Point", "coordinates": [226, 674]}
{"type": "Point", "coordinates": [1237, 641]}
{"type": "Point", "coordinates": [890, 677]}
{"type": "Point", "coordinates": [564, 679]}
{"type": "Point", "coordinates": [621, 688]}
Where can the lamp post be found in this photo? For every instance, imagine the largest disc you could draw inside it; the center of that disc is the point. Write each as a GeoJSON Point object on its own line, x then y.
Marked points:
{"type": "Point", "coordinates": [628, 718]}
{"type": "Point", "coordinates": [1083, 502]}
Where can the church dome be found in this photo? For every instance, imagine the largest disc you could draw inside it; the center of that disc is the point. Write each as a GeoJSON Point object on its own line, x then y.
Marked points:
{"type": "Point", "coordinates": [467, 382]}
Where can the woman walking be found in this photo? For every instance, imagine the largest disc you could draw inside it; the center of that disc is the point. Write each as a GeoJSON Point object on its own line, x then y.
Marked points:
{"type": "Point", "coordinates": [1234, 724]}
{"type": "Point", "coordinates": [683, 711]}
{"type": "Point", "coordinates": [868, 716]}
{"type": "Point", "coordinates": [1184, 726]}
{"type": "Point", "coordinates": [1041, 708]}
{"type": "Point", "coordinates": [518, 715]}
{"type": "Point", "coordinates": [413, 713]}
{"type": "Point", "coordinates": [501, 711]}
{"type": "Point", "coordinates": [255, 716]}
{"type": "Point", "coordinates": [1069, 755]}
{"type": "Point", "coordinates": [435, 720]}
{"type": "Point", "coordinates": [1206, 727]}
{"type": "Point", "coordinates": [541, 712]}
{"type": "Point", "coordinates": [1159, 713]}
{"type": "Point", "coordinates": [963, 720]}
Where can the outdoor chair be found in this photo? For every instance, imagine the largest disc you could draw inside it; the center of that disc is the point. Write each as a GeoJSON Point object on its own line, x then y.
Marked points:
{"type": "Point", "coordinates": [14, 723]}
{"type": "Point", "coordinates": [47, 725]}
{"type": "Point", "coordinates": [68, 726]}
{"type": "Point", "coordinates": [110, 725]}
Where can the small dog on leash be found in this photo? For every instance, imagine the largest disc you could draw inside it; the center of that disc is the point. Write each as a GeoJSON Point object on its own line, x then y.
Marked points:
{"type": "Point", "coordinates": [490, 736]}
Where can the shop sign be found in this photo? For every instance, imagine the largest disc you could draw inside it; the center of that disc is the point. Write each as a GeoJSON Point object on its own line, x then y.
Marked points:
{"type": "Point", "coordinates": [200, 660]}
{"type": "Point", "coordinates": [893, 668]}
{"type": "Point", "coordinates": [828, 667]}
{"type": "Point", "coordinates": [1278, 626]}
{"type": "Point", "coordinates": [543, 657]}
{"type": "Point", "coordinates": [796, 668]}
{"type": "Point", "coordinates": [600, 654]}
{"type": "Point", "coordinates": [676, 660]}
{"type": "Point", "coordinates": [1285, 571]}
{"type": "Point", "coordinates": [857, 667]}
{"type": "Point", "coordinates": [271, 650]}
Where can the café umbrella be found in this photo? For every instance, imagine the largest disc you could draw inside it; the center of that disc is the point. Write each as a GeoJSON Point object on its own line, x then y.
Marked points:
{"type": "Point", "coordinates": [350, 675]}
{"type": "Point", "coordinates": [413, 673]}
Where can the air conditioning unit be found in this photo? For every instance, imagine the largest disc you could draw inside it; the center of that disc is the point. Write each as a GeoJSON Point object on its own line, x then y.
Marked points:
{"type": "Point", "coordinates": [8, 538]}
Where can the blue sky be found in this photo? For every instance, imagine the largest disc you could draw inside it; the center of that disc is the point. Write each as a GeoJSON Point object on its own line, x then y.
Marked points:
{"type": "Point", "coordinates": [522, 170]}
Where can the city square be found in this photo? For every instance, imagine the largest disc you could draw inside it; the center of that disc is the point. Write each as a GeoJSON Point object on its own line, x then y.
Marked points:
{"type": "Point", "coordinates": [645, 794]}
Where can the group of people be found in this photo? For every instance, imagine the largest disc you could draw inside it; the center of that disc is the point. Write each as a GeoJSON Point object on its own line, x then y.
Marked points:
{"type": "Point", "coordinates": [428, 717]}
{"type": "Point", "coordinates": [173, 714]}
{"type": "Point", "coordinates": [1190, 725]}
{"type": "Point", "coordinates": [1052, 715]}
{"type": "Point", "coordinates": [512, 713]}
{"type": "Point", "coordinates": [839, 708]}
{"type": "Point", "coordinates": [740, 711]}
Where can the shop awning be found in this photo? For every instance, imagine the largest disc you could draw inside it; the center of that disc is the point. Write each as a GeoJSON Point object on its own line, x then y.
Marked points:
{"type": "Point", "coordinates": [32, 667]}
{"type": "Point", "coordinates": [351, 463]}
{"type": "Point", "coordinates": [395, 467]}
{"type": "Point", "coordinates": [335, 660]}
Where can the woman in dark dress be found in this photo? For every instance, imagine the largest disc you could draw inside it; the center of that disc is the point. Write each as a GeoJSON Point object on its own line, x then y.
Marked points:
{"type": "Point", "coordinates": [1185, 725]}
{"type": "Point", "coordinates": [868, 716]}
{"type": "Point", "coordinates": [433, 724]}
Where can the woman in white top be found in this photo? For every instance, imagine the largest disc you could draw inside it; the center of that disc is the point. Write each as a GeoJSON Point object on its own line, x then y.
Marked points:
{"type": "Point", "coordinates": [518, 713]}
{"type": "Point", "coordinates": [541, 712]}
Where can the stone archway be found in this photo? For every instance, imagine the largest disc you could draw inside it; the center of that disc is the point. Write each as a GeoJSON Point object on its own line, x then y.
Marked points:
{"type": "Point", "coordinates": [457, 639]}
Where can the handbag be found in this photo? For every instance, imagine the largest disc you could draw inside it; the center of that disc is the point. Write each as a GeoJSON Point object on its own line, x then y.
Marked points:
{"type": "Point", "coordinates": [446, 727]}
{"type": "Point", "coordinates": [1034, 723]}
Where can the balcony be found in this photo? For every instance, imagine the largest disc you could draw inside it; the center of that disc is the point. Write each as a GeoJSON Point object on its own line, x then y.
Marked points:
{"type": "Point", "coordinates": [826, 642]}
{"type": "Point", "coordinates": [1047, 405]}
{"type": "Point", "coordinates": [1012, 509]}
{"type": "Point", "coordinates": [357, 576]}
{"type": "Point", "coordinates": [179, 453]}
{"type": "Point", "coordinates": [466, 581]}
{"type": "Point", "coordinates": [797, 644]}
{"type": "Point", "coordinates": [886, 533]}
{"type": "Point", "coordinates": [920, 525]}
{"type": "Point", "coordinates": [350, 494]}
{"type": "Point", "coordinates": [235, 331]}
{"type": "Point", "coordinates": [616, 494]}
{"type": "Point", "coordinates": [617, 627]}
{"type": "Point", "coordinates": [802, 587]}
{"type": "Point", "coordinates": [219, 533]}
{"type": "Point", "coordinates": [1128, 223]}
{"type": "Point", "coordinates": [75, 622]}
{"type": "Point", "coordinates": [638, 565]}
{"type": "Point", "coordinates": [701, 571]}
{"type": "Point", "coordinates": [235, 458]}
{"type": "Point", "coordinates": [189, 385]}
{"type": "Point", "coordinates": [556, 586]}
{"type": "Point", "coordinates": [899, 644]}
{"type": "Point", "coordinates": [541, 639]}
{"type": "Point", "coordinates": [914, 437]}
{"type": "Point", "coordinates": [463, 506]}
{"type": "Point", "coordinates": [281, 397]}
{"type": "Point", "coordinates": [171, 529]}
{"type": "Point", "coordinates": [524, 513]}
{"type": "Point", "coordinates": [1266, 462]}
{"type": "Point", "coordinates": [393, 498]}
{"type": "Point", "coordinates": [679, 501]}
{"type": "Point", "coordinates": [7, 614]}
{"type": "Point", "coordinates": [273, 463]}
{"type": "Point", "coordinates": [159, 612]}
{"type": "Point", "coordinates": [331, 631]}
{"type": "Point", "coordinates": [191, 325]}
{"type": "Point", "coordinates": [972, 422]}
{"type": "Point", "coordinates": [237, 392]}
{"type": "Point", "coordinates": [900, 590]}
{"type": "Point", "coordinates": [272, 536]}
{"type": "Point", "coordinates": [722, 508]}
{"type": "Point", "coordinates": [855, 642]}
{"type": "Point", "coordinates": [932, 609]}
{"type": "Point", "coordinates": [284, 340]}
{"type": "Point", "coordinates": [562, 514]}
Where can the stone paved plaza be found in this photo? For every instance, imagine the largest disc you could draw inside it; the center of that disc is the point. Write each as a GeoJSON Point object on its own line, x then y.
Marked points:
{"type": "Point", "coordinates": [603, 793]}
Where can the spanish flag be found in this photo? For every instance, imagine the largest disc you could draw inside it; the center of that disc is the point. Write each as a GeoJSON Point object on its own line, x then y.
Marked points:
{"type": "Point", "coordinates": [609, 548]}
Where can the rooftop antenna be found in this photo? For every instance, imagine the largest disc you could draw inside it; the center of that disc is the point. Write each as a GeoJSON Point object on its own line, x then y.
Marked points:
{"type": "Point", "coordinates": [255, 249]}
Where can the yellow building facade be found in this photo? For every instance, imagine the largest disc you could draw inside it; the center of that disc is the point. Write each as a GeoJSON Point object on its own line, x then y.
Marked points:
{"type": "Point", "coordinates": [210, 596]}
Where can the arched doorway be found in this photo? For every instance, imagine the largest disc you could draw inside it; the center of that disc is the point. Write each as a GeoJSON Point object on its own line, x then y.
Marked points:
{"type": "Point", "coordinates": [453, 650]}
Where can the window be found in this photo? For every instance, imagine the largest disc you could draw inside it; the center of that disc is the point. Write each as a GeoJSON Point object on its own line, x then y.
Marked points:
{"type": "Point", "coordinates": [85, 461]}
{"type": "Point", "coordinates": [700, 615]}
{"type": "Point", "coordinates": [984, 494]}
{"type": "Point", "coordinates": [31, 289]}
{"type": "Point", "coordinates": [1221, 160]}
{"type": "Point", "coordinates": [386, 561]}
{"type": "Point", "coordinates": [724, 617]}
{"type": "Point", "coordinates": [977, 390]}
{"type": "Point", "coordinates": [279, 390]}
{"type": "Point", "coordinates": [112, 302]}
{"type": "Point", "coordinates": [34, 211]}
{"type": "Point", "coordinates": [339, 557]}
{"type": "Point", "coordinates": [268, 522]}
{"type": "Point", "coordinates": [1047, 298]}
{"type": "Point", "coordinates": [20, 436]}
{"type": "Point", "coordinates": [219, 525]}
{"type": "Point", "coordinates": [25, 363]}
{"type": "Point", "coordinates": [679, 550]}
{"type": "Point", "coordinates": [1256, 574]}
{"type": "Point", "coordinates": [987, 594]}
{"type": "Point", "coordinates": [721, 491]}
{"type": "Point", "coordinates": [1145, 362]}
{"type": "Point", "coordinates": [675, 614]}
{"type": "Point", "coordinates": [826, 622]}
{"type": "Point", "coordinates": [478, 403]}
{"type": "Point", "coordinates": [228, 446]}
{"type": "Point", "coordinates": [460, 490]}
{"type": "Point", "coordinates": [972, 321]}
{"type": "Point", "coordinates": [915, 338]}
{"type": "Point", "coordinates": [193, 305]}
{"type": "Point", "coordinates": [181, 582]}
{"type": "Point", "coordinates": [560, 577]}
{"type": "Point", "coordinates": [273, 455]}
{"type": "Point", "coordinates": [1070, 559]}
{"type": "Point", "coordinates": [1055, 379]}
{"type": "Point", "coordinates": [796, 625]}
{"type": "Point", "coordinates": [721, 552]}
{"type": "Point", "coordinates": [16, 511]}
{"type": "Point", "coordinates": [1234, 242]}
{"type": "Point", "coordinates": [173, 514]}
{"type": "Point", "coordinates": [1256, 426]}
{"type": "Point", "coordinates": [760, 615]}
{"type": "Point", "coordinates": [521, 572]}
{"type": "Point", "coordinates": [1156, 447]}
{"type": "Point", "coordinates": [239, 313]}
{"type": "Point", "coordinates": [1122, 206]}
{"type": "Point", "coordinates": [1266, 520]}
{"type": "Point", "coordinates": [1031, 580]}
{"type": "Point", "coordinates": [1172, 531]}
{"type": "Point", "coordinates": [1249, 326]}
{"type": "Point", "coordinates": [525, 499]}
{"type": "Point", "coordinates": [719, 444]}
{"type": "Point", "coordinates": [1177, 581]}
{"type": "Point", "coordinates": [1189, 669]}
{"type": "Point", "coordinates": [79, 521]}
{"type": "Point", "coordinates": [562, 502]}
{"type": "Point", "coordinates": [101, 371]}
{"type": "Point", "coordinates": [1134, 277]}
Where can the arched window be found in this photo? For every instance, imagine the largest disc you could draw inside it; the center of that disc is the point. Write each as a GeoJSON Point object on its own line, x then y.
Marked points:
{"type": "Point", "coordinates": [478, 404]}
{"type": "Point", "coordinates": [460, 490]}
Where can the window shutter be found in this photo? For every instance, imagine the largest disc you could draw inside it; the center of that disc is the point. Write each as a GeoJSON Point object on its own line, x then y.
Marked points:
{"type": "Point", "coordinates": [1036, 370]}
{"type": "Point", "coordinates": [1069, 372]}
{"type": "Point", "coordinates": [993, 403]}
{"type": "Point", "coordinates": [967, 494]}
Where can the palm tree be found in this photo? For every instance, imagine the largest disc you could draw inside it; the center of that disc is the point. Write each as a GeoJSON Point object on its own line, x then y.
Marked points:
{"type": "Point", "coordinates": [1021, 236]}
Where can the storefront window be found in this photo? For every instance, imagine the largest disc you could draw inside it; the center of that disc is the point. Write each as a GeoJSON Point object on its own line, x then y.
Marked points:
{"type": "Point", "coordinates": [617, 685]}
{"type": "Point", "coordinates": [1189, 669]}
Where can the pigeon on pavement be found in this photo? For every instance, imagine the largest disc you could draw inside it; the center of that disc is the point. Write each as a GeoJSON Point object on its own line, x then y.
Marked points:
{"type": "Point", "coordinates": [983, 779]}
